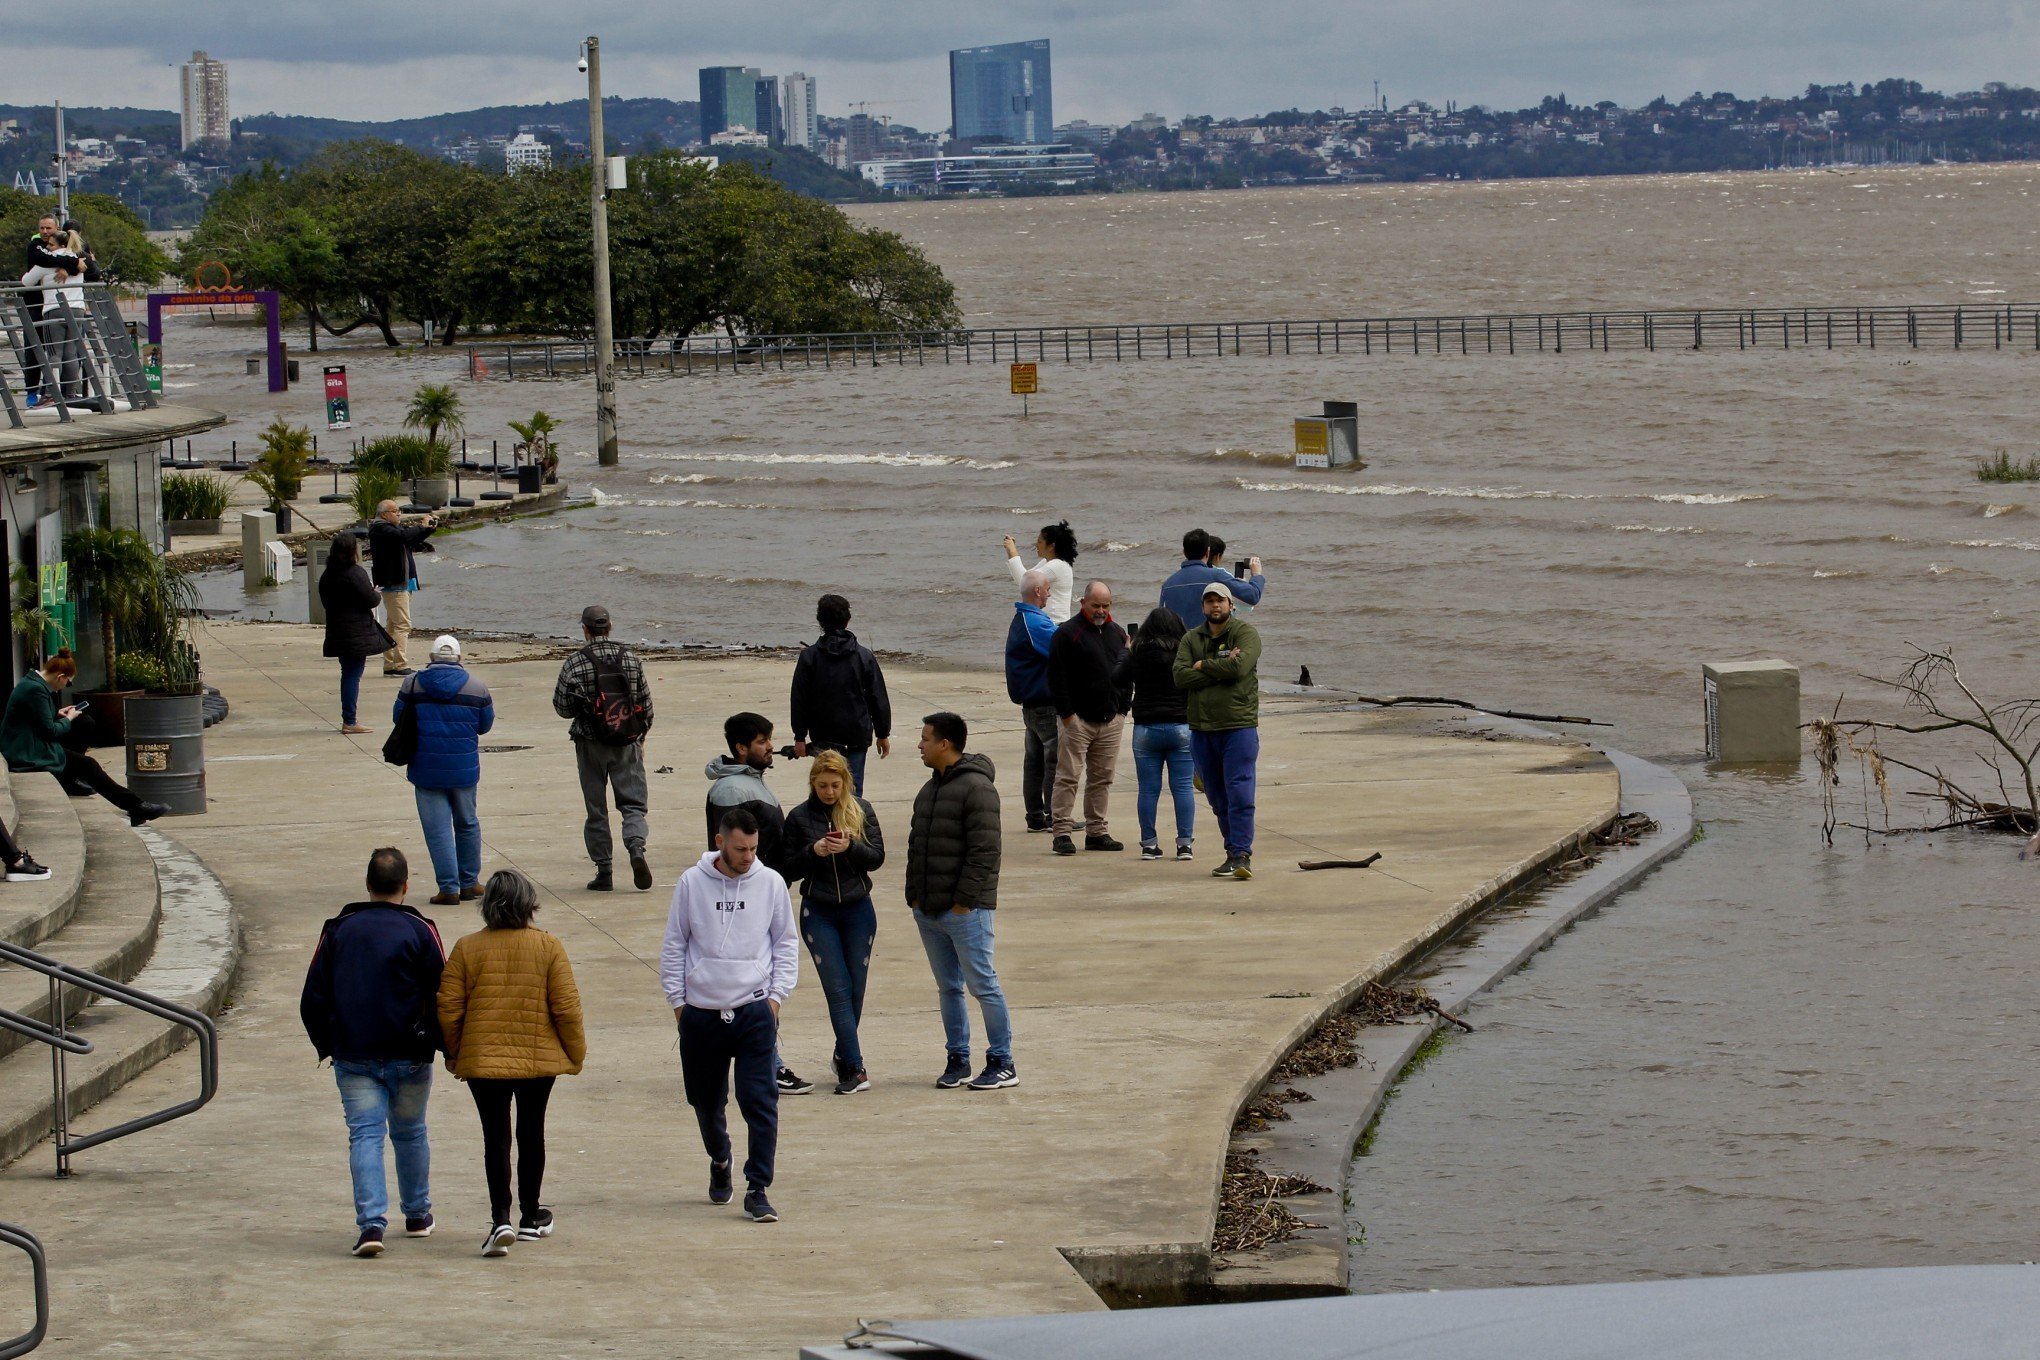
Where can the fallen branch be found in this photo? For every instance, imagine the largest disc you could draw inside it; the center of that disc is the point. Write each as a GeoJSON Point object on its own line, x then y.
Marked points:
{"type": "Point", "coordinates": [1338, 863]}
{"type": "Point", "coordinates": [1432, 701]}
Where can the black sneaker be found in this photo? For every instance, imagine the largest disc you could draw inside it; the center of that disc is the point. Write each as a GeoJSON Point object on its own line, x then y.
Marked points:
{"type": "Point", "coordinates": [497, 1243]}
{"type": "Point", "coordinates": [956, 1074]}
{"type": "Point", "coordinates": [1225, 870]}
{"type": "Point", "coordinates": [1183, 852]}
{"type": "Point", "coordinates": [1063, 845]}
{"type": "Point", "coordinates": [531, 1227]}
{"type": "Point", "coordinates": [757, 1208]}
{"type": "Point", "coordinates": [719, 1188]}
{"type": "Point", "coordinates": [1148, 852]}
{"type": "Point", "coordinates": [147, 812]}
{"type": "Point", "coordinates": [604, 880]}
{"type": "Point", "coordinates": [791, 1085]}
{"type": "Point", "coordinates": [640, 871]}
{"type": "Point", "coordinates": [369, 1243]}
{"type": "Point", "coordinates": [1102, 843]}
{"type": "Point", "coordinates": [852, 1081]}
{"type": "Point", "coordinates": [420, 1226]}
{"type": "Point", "coordinates": [998, 1074]}
{"type": "Point", "coordinates": [1039, 821]}
{"type": "Point", "coordinates": [1243, 866]}
{"type": "Point", "coordinates": [26, 870]}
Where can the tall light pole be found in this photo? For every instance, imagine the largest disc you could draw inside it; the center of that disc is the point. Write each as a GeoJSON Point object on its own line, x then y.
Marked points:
{"type": "Point", "coordinates": [598, 210]}
{"type": "Point", "coordinates": [63, 168]}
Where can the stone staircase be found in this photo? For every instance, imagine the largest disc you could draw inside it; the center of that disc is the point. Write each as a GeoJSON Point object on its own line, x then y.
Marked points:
{"type": "Point", "coordinates": [131, 905]}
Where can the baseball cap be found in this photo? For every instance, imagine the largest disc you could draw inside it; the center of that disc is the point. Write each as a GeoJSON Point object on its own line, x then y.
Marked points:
{"type": "Point", "coordinates": [1218, 588]}
{"type": "Point", "coordinates": [446, 646]}
{"type": "Point", "coordinates": [595, 616]}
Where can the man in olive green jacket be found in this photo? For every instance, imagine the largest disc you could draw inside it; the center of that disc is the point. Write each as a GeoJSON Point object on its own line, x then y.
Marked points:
{"type": "Point", "coordinates": [1218, 665]}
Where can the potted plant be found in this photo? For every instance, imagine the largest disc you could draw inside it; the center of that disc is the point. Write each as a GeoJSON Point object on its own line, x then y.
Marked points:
{"type": "Point", "coordinates": [281, 468]}
{"type": "Point", "coordinates": [164, 725]}
{"type": "Point", "coordinates": [536, 435]}
{"type": "Point", "coordinates": [118, 574]}
{"type": "Point", "coordinates": [435, 407]}
{"type": "Point", "coordinates": [195, 502]}
{"type": "Point", "coordinates": [32, 621]}
{"type": "Point", "coordinates": [424, 463]}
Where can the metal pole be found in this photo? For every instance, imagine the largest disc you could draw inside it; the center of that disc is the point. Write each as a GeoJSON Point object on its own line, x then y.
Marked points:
{"type": "Point", "coordinates": [63, 172]}
{"type": "Point", "coordinates": [605, 335]}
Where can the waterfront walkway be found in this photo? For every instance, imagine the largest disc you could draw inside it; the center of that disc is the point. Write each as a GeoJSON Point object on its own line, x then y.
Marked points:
{"type": "Point", "coordinates": [1149, 999]}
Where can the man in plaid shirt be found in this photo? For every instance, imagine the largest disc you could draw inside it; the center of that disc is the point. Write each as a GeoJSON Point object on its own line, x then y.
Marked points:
{"type": "Point", "coordinates": [609, 723]}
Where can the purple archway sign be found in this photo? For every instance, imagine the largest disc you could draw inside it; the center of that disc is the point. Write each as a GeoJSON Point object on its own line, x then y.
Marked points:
{"type": "Point", "coordinates": [222, 297]}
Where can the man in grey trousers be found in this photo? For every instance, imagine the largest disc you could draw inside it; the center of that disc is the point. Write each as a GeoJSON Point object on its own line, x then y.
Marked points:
{"type": "Point", "coordinates": [603, 694]}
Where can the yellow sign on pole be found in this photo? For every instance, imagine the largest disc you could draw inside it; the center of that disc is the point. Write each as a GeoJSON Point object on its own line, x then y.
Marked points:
{"type": "Point", "coordinates": [1025, 380]}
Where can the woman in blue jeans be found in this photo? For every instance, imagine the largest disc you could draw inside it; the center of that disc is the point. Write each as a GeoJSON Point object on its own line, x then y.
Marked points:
{"type": "Point", "coordinates": [1161, 729]}
{"type": "Point", "coordinates": [832, 847]}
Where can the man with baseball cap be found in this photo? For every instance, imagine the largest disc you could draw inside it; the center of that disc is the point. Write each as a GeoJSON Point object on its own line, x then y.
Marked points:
{"type": "Point", "coordinates": [603, 695]}
{"type": "Point", "coordinates": [1218, 665]}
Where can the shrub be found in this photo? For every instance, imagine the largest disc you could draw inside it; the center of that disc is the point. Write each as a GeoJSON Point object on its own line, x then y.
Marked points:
{"type": "Point", "coordinates": [372, 486]}
{"type": "Point", "coordinates": [2003, 469]}
{"type": "Point", "coordinates": [195, 495]}
{"type": "Point", "coordinates": [285, 459]}
{"type": "Point", "coordinates": [405, 456]}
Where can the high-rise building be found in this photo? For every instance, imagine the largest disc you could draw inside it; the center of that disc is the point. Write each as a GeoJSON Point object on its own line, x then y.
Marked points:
{"type": "Point", "coordinates": [797, 100]}
{"type": "Point", "coordinates": [863, 138]}
{"type": "Point", "coordinates": [1001, 93]}
{"type": "Point", "coordinates": [765, 103]}
{"type": "Point", "coordinates": [729, 95]}
{"type": "Point", "coordinates": [526, 152]}
{"type": "Point", "coordinates": [205, 117]}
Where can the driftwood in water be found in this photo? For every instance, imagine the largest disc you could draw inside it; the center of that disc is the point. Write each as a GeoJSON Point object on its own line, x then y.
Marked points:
{"type": "Point", "coordinates": [1433, 701]}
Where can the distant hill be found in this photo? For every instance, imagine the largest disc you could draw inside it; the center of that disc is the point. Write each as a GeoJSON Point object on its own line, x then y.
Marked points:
{"type": "Point", "coordinates": [630, 121]}
{"type": "Point", "coordinates": [37, 121]}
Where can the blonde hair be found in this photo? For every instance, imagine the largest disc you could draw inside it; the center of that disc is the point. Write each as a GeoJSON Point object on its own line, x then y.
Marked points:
{"type": "Point", "coordinates": [846, 814]}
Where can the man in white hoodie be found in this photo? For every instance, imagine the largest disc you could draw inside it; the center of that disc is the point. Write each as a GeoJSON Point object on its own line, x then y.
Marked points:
{"type": "Point", "coordinates": [730, 959]}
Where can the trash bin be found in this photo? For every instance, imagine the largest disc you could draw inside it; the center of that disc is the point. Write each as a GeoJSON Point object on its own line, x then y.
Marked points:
{"type": "Point", "coordinates": [530, 479]}
{"type": "Point", "coordinates": [166, 750]}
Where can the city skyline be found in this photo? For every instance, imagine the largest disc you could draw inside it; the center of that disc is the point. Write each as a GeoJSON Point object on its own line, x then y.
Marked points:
{"type": "Point", "coordinates": [1115, 60]}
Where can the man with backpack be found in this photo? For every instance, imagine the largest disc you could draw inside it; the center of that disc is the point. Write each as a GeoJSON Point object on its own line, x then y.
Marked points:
{"type": "Point", "coordinates": [603, 694]}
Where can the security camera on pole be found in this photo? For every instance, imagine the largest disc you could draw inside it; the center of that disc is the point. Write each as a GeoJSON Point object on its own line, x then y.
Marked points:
{"type": "Point", "coordinates": [605, 337]}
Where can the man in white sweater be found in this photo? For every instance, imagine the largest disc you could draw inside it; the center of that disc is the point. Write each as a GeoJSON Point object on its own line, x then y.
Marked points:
{"type": "Point", "coordinates": [730, 959]}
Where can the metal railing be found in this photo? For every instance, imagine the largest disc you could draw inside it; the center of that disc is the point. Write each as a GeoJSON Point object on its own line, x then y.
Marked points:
{"type": "Point", "coordinates": [56, 1033]}
{"type": "Point", "coordinates": [67, 349]}
{"type": "Point", "coordinates": [25, 1240]}
{"type": "Point", "coordinates": [1954, 326]}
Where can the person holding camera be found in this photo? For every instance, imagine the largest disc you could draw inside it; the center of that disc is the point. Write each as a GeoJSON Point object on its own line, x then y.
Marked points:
{"type": "Point", "coordinates": [1183, 592]}
{"type": "Point", "coordinates": [392, 549]}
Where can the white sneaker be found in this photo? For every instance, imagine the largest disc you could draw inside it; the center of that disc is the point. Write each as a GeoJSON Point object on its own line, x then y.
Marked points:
{"type": "Point", "coordinates": [497, 1243]}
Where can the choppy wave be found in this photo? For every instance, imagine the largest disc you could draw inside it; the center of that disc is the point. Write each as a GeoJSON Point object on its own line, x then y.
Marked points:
{"type": "Point", "coordinates": [1254, 456]}
{"type": "Point", "coordinates": [2021, 544]}
{"type": "Point", "coordinates": [1122, 547]}
{"type": "Point", "coordinates": [1658, 529]}
{"type": "Point", "coordinates": [668, 503]}
{"type": "Point", "coordinates": [1476, 493]}
{"type": "Point", "coordinates": [1710, 497]}
{"type": "Point", "coordinates": [1837, 574]}
{"type": "Point", "coordinates": [1993, 511]}
{"type": "Point", "coordinates": [931, 460]}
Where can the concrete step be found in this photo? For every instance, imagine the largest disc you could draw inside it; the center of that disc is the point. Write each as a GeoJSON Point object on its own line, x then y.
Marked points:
{"type": "Point", "coordinates": [197, 955]}
{"type": "Point", "coordinates": [112, 926]}
{"type": "Point", "coordinates": [44, 821]}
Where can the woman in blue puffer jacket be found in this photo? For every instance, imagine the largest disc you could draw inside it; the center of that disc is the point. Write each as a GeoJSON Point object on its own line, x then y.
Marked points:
{"type": "Point", "coordinates": [454, 710]}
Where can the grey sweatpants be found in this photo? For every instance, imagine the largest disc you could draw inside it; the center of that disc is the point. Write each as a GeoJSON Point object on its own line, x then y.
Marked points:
{"type": "Point", "coordinates": [603, 767]}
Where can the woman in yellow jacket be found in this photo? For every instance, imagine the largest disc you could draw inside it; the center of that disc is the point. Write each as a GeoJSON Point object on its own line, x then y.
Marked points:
{"type": "Point", "coordinates": [512, 1020]}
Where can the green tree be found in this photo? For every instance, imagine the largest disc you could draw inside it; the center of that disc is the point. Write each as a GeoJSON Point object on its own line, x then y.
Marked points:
{"type": "Point", "coordinates": [434, 407]}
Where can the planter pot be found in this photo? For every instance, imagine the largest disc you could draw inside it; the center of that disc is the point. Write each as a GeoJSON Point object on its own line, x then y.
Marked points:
{"type": "Point", "coordinates": [109, 714]}
{"type": "Point", "coordinates": [282, 519]}
{"type": "Point", "coordinates": [530, 480]}
{"type": "Point", "coordinates": [195, 528]}
{"type": "Point", "coordinates": [432, 491]}
{"type": "Point", "coordinates": [166, 750]}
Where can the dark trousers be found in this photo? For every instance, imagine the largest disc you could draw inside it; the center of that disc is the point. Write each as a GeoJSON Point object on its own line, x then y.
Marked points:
{"type": "Point", "coordinates": [709, 1047]}
{"type": "Point", "coordinates": [492, 1101]}
{"type": "Point", "coordinates": [83, 772]}
{"type": "Point", "coordinates": [1037, 763]}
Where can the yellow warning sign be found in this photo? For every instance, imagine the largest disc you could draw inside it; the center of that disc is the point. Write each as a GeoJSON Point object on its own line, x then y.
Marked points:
{"type": "Point", "coordinates": [1311, 437]}
{"type": "Point", "coordinates": [1025, 380]}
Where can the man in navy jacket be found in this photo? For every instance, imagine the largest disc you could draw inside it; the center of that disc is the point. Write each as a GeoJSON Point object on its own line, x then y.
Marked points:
{"type": "Point", "coordinates": [1027, 640]}
{"type": "Point", "coordinates": [370, 1004]}
{"type": "Point", "coordinates": [454, 712]}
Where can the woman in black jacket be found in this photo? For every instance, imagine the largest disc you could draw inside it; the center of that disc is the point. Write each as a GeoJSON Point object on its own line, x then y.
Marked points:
{"type": "Point", "coordinates": [1161, 729]}
{"type": "Point", "coordinates": [352, 633]}
{"type": "Point", "coordinates": [832, 847]}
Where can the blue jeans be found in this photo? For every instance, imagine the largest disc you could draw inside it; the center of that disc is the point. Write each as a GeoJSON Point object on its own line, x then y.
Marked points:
{"type": "Point", "coordinates": [840, 939]}
{"type": "Point", "coordinates": [351, 668]}
{"type": "Point", "coordinates": [453, 835]}
{"type": "Point", "coordinates": [1158, 747]}
{"type": "Point", "coordinates": [959, 946]}
{"type": "Point", "coordinates": [1225, 762]}
{"type": "Point", "coordinates": [379, 1095]}
{"type": "Point", "coordinates": [854, 759]}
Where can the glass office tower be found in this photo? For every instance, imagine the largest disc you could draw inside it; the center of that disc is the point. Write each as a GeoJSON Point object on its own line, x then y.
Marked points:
{"type": "Point", "coordinates": [1001, 93]}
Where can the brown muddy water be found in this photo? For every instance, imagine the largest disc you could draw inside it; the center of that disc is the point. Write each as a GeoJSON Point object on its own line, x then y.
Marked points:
{"type": "Point", "coordinates": [1769, 1055]}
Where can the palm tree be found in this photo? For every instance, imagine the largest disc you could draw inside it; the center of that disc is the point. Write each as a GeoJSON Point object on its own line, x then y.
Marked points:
{"type": "Point", "coordinates": [121, 572]}
{"type": "Point", "coordinates": [435, 407]}
{"type": "Point", "coordinates": [537, 436]}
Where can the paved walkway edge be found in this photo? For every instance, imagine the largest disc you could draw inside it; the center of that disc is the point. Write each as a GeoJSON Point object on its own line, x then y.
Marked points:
{"type": "Point", "coordinates": [459, 516]}
{"type": "Point", "coordinates": [1319, 1139]}
{"type": "Point", "coordinates": [1171, 1273]}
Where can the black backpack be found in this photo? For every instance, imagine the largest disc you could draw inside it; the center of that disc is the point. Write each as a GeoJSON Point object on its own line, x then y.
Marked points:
{"type": "Point", "coordinates": [618, 718]}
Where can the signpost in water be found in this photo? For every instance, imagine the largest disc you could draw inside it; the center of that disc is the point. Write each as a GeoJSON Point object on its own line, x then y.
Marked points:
{"type": "Point", "coordinates": [1026, 380]}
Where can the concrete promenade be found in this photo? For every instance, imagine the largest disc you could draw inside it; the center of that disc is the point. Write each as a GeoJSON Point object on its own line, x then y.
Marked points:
{"type": "Point", "coordinates": [1148, 999]}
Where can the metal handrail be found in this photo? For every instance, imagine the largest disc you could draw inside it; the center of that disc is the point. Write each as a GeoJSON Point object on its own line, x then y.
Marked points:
{"type": "Point", "coordinates": [83, 358]}
{"type": "Point", "coordinates": [26, 1241]}
{"type": "Point", "coordinates": [61, 1041]}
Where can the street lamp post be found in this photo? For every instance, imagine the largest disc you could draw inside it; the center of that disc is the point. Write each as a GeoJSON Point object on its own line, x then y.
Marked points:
{"type": "Point", "coordinates": [605, 335]}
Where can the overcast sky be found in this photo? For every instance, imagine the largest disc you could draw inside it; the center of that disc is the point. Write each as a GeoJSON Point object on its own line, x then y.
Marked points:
{"type": "Point", "coordinates": [1113, 59]}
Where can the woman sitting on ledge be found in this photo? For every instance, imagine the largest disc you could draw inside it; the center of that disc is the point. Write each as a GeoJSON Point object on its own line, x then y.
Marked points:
{"type": "Point", "coordinates": [33, 732]}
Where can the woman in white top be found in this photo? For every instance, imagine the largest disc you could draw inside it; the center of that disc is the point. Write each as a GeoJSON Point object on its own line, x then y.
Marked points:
{"type": "Point", "coordinates": [64, 350]}
{"type": "Point", "coordinates": [1057, 548]}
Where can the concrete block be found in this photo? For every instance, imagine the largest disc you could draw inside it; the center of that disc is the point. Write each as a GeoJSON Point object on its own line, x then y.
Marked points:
{"type": "Point", "coordinates": [277, 561]}
{"type": "Point", "coordinates": [257, 528]}
{"type": "Point", "coordinates": [1752, 711]}
{"type": "Point", "coordinates": [316, 553]}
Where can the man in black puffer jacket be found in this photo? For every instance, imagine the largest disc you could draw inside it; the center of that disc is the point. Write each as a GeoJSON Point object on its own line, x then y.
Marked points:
{"type": "Point", "coordinates": [839, 698]}
{"type": "Point", "coordinates": [953, 887]}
